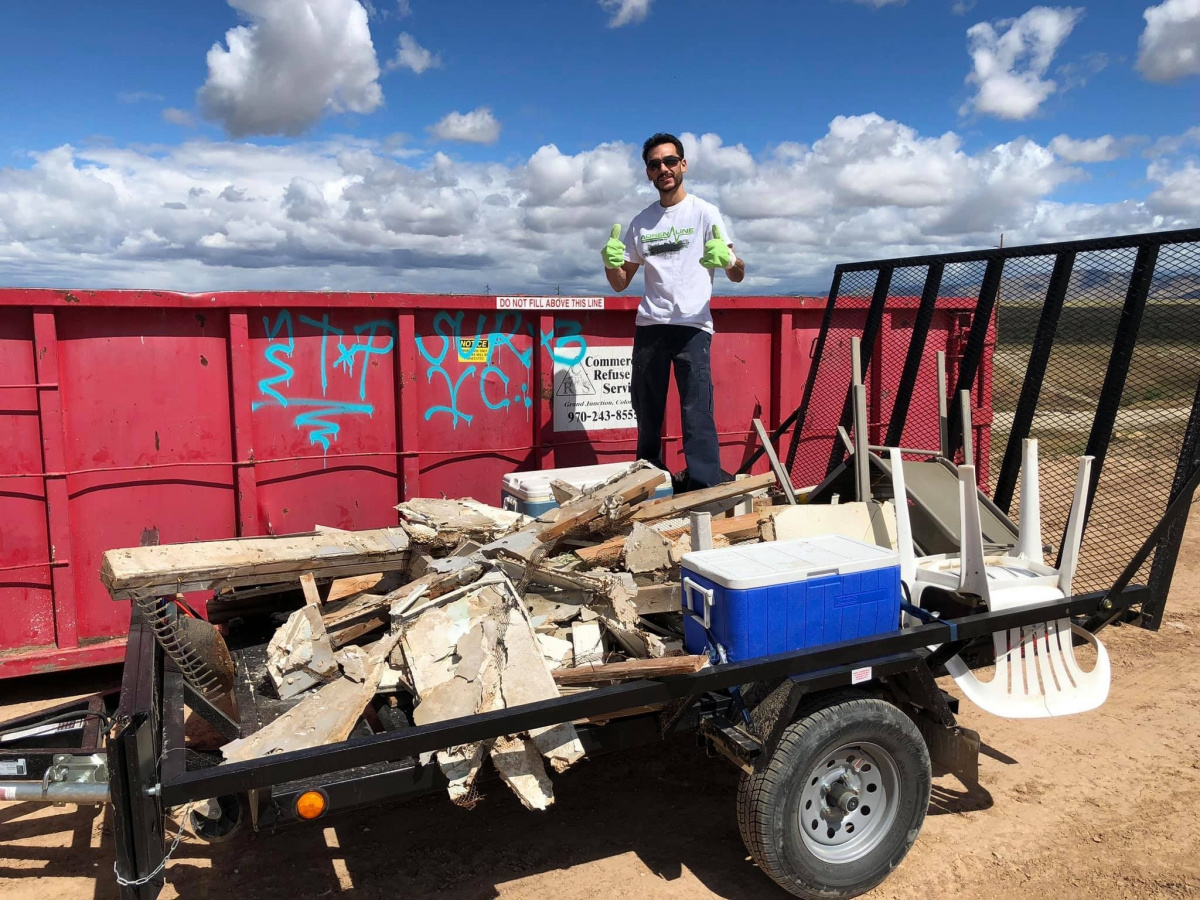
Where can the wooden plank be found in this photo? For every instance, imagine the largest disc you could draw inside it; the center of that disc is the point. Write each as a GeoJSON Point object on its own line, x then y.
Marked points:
{"type": "Point", "coordinates": [357, 630]}
{"type": "Point", "coordinates": [208, 565]}
{"type": "Point", "coordinates": [673, 506]}
{"type": "Point", "coordinates": [348, 587]}
{"type": "Point", "coordinates": [308, 584]}
{"type": "Point", "coordinates": [630, 670]}
{"type": "Point", "coordinates": [776, 466]}
{"type": "Point", "coordinates": [658, 598]}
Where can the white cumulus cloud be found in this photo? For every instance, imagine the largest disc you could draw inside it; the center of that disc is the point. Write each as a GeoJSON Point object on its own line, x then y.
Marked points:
{"type": "Point", "coordinates": [1105, 148]}
{"type": "Point", "coordinates": [1169, 48]}
{"type": "Point", "coordinates": [208, 215]}
{"type": "Point", "coordinates": [411, 55]}
{"type": "Point", "coordinates": [1010, 60]}
{"type": "Point", "coordinates": [295, 61]}
{"type": "Point", "coordinates": [478, 126]}
{"type": "Point", "coordinates": [880, 3]}
{"type": "Point", "coordinates": [626, 12]}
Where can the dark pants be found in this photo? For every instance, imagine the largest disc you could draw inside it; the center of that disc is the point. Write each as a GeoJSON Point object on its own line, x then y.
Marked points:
{"type": "Point", "coordinates": [655, 349]}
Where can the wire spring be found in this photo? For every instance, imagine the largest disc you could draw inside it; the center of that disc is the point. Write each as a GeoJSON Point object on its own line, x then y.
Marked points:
{"type": "Point", "coordinates": [185, 658]}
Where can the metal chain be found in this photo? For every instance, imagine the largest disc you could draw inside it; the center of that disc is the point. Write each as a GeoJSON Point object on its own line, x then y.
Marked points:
{"type": "Point", "coordinates": [184, 825]}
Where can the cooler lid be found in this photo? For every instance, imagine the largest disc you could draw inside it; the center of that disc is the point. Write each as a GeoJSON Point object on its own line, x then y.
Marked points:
{"type": "Point", "coordinates": [779, 562]}
{"type": "Point", "coordinates": [536, 485]}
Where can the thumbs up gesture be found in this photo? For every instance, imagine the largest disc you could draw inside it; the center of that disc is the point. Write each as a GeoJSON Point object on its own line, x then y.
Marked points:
{"type": "Point", "coordinates": [614, 250]}
{"type": "Point", "coordinates": [717, 254]}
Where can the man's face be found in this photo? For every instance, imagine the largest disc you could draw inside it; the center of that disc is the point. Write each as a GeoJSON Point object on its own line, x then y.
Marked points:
{"type": "Point", "coordinates": [665, 167]}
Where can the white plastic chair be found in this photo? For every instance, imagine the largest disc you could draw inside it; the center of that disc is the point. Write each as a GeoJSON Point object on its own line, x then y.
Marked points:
{"type": "Point", "coordinates": [1037, 674]}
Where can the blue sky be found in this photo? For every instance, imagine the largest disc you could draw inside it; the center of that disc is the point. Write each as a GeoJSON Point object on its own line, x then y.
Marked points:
{"type": "Point", "coordinates": [760, 75]}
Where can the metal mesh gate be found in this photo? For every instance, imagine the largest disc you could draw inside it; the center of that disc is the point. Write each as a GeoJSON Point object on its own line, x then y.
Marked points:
{"type": "Point", "coordinates": [1094, 349]}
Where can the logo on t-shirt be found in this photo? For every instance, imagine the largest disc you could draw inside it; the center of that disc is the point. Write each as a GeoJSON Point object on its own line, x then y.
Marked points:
{"type": "Point", "coordinates": [670, 241]}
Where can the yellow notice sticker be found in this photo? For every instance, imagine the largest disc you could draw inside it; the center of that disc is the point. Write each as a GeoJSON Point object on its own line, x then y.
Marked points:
{"type": "Point", "coordinates": [473, 349]}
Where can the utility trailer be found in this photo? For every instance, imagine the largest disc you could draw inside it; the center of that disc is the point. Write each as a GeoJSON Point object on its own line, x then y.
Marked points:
{"type": "Point", "coordinates": [841, 734]}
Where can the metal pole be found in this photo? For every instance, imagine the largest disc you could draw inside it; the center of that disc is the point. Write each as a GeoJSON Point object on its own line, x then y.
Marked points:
{"type": "Point", "coordinates": [862, 462]}
{"type": "Point", "coordinates": [964, 404]}
{"type": "Point", "coordinates": [83, 793]}
{"type": "Point", "coordinates": [943, 418]}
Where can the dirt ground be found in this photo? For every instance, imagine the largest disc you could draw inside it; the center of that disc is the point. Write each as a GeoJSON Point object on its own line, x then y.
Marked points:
{"type": "Point", "coordinates": [1094, 806]}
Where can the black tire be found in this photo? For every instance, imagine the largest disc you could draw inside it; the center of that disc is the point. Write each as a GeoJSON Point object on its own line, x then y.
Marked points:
{"type": "Point", "coordinates": [770, 800]}
{"type": "Point", "coordinates": [226, 818]}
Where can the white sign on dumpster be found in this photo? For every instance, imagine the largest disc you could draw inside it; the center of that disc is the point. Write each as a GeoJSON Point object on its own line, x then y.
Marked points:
{"type": "Point", "coordinates": [593, 394]}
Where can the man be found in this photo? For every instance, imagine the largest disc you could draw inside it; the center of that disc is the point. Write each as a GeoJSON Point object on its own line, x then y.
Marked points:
{"type": "Point", "coordinates": [682, 241]}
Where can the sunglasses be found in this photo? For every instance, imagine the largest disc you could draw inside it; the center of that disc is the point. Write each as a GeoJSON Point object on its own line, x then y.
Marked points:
{"type": "Point", "coordinates": [669, 161]}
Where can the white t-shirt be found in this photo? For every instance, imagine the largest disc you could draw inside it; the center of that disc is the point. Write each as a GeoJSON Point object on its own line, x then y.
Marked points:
{"type": "Point", "coordinates": [668, 242]}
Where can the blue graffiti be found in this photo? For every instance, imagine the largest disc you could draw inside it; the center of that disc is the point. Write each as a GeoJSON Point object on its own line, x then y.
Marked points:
{"type": "Point", "coordinates": [320, 416]}
{"type": "Point", "coordinates": [565, 344]}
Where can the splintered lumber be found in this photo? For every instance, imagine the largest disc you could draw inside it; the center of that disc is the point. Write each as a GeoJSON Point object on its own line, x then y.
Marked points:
{"type": "Point", "coordinates": [325, 716]}
{"type": "Point", "coordinates": [444, 576]}
{"type": "Point", "coordinates": [212, 565]}
{"type": "Point", "coordinates": [609, 503]}
{"type": "Point", "coordinates": [674, 506]}
{"type": "Point", "coordinates": [735, 528]}
{"type": "Point", "coordinates": [629, 670]}
{"type": "Point", "coordinates": [579, 512]}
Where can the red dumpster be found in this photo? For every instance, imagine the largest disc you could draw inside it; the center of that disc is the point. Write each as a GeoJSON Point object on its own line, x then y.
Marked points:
{"type": "Point", "coordinates": [133, 417]}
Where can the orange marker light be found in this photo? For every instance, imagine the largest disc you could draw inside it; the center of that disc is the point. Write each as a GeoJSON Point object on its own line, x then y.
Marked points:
{"type": "Point", "coordinates": [311, 804]}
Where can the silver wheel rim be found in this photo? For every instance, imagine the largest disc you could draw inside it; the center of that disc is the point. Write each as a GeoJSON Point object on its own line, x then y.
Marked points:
{"type": "Point", "coordinates": [849, 802]}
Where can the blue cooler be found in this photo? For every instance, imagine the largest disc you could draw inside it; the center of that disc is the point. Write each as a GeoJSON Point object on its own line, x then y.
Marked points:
{"type": "Point", "coordinates": [778, 596]}
{"type": "Point", "coordinates": [529, 492]}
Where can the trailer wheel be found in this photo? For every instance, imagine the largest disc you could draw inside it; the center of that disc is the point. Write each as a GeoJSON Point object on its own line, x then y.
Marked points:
{"type": "Point", "coordinates": [216, 821]}
{"type": "Point", "coordinates": [841, 800]}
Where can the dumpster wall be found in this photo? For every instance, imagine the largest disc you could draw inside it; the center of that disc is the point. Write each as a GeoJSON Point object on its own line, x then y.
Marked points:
{"type": "Point", "coordinates": [138, 417]}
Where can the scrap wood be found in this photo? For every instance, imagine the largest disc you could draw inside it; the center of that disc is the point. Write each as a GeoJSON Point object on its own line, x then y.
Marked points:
{"type": "Point", "coordinates": [308, 584]}
{"type": "Point", "coordinates": [443, 577]}
{"type": "Point", "coordinates": [630, 670]}
{"type": "Point", "coordinates": [349, 587]}
{"type": "Point", "coordinates": [680, 503]}
{"type": "Point", "coordinates": [610, 500]}
{"type": "Point", "coordinates": [658, 598]}
{"type": "Point", "coordinates": [598, 583]}
{"type": "Point", "coordinates": [563, 491]}
{"type": "Point", "coordinates": [325, 716]}
{"type": "Point", "coordinates": [214, 565]}
{"type": "Point", "coordinates": [735, 528]}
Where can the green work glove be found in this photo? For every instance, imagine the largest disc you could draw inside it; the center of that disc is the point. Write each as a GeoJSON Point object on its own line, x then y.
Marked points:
{"type": "Point", "coordinates": [614, 250]}
{"type": "Point", "coordinates": [717, 254]}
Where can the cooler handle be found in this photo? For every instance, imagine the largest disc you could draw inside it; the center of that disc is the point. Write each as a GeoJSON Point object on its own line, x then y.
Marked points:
{"type": "Point", "coordinates": [689, 607]}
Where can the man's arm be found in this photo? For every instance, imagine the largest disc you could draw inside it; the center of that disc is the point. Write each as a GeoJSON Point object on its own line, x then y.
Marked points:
{"type": "Point", "coordinates": [737, 271]}
{"type": "Point", "coordinates": [619, 278]}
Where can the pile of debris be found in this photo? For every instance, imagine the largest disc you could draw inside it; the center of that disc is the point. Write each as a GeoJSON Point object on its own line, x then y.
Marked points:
{"type": "Point", "coordinates": [466, 608]}
{"type": "Point", "coordinates": [495, 609]}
